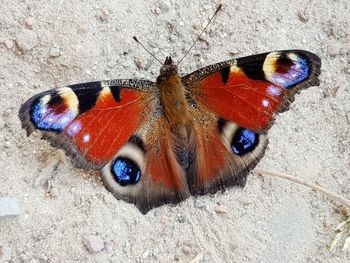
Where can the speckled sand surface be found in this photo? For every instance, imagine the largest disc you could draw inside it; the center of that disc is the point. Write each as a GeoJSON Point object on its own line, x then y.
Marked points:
{"type": "Point", "coordinates": [270, 220]}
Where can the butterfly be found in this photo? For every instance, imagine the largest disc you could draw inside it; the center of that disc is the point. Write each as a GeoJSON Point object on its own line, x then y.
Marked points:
{"type": "Point", "coordinates": [160, 142]}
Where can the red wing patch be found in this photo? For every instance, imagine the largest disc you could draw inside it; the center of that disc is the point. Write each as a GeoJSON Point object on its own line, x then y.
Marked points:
{"type": "Point", "coordinates": [89, 121]}
{"type": "Point", "coordinates": [101, 131]}
{"type": "Point", "coordinates": [251, 90]}
{"type": "Point", "coordinates": [249, 103]}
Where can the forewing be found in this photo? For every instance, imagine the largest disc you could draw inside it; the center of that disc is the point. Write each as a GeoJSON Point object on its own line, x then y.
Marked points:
{"type": "Point", "coordinates": [90, 121]}
{"type": "Point", "coordinates": [251, 90]}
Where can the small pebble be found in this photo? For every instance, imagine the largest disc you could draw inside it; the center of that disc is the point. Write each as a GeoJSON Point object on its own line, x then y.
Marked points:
{"type": "Point", "coordinates": [29, 21]}
{"type": "Point", "coordinates": [8, 43]}
{"type": "Point", "coordinates": [303, 16]}
{"type": "Point", "coordinates": [220, 209]}
{"type": "Point", "coordinates": [8, 112]}
{"type": "Point", "coordinates": [186, 250]}
{"type": "Point", "coordinates": [157, 11]}
{"type": "Point", "coordinates": [196, 26]}
{"type": "Point", "coordinates": [234, 52]}
{"type": "Point", "coordinates": [199, 204]}
{"type": "Point", "coordinates": [26, 40]}
{"type": "Point", "coordinates": [103, 16]}
{"type": "Point", "coordinates": [138, 63]}
{"type": "Point", "coordinates": [333, 49]}
{"type": "Point", "coordinates": [164, 6]}
{"type": "Point", "coordinates": [93, 244]}
{"type": "Point", "coordinates": [54, 52]}
{"type": "Point", "coordinates": [181, 218]}
{"type": "Point", "coordinates": [9, 207]}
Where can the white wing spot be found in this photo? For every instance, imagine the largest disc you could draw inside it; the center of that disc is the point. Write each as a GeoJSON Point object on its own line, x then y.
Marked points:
{"type": "Point", "coordinates": [265, 103]}
{"type": "Point", "coordinates": [273, 91]}
{"type": "Point", "coordinates": [74, 128]}
{"type": "Point", "coordinates": [86, 138]}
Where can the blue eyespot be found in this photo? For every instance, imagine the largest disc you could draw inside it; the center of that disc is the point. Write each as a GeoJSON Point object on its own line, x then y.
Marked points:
{"type": "Point", "coordinates": [297, 72]}
{"type": "Point", "coordinates": [45, 118]}
{"type": "Point", "coordinates": [244, 141]}
{"type": "Point", "coordinates": [125, 171]}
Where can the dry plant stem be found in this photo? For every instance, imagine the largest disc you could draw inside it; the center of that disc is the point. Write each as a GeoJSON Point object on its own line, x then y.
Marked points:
{"type": "Point", "coordinates": [335, 197]}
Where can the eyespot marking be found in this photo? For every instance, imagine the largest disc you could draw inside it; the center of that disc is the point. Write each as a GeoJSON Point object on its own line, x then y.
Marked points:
{"type": "Point", "coordinates": [52, 113]}
{"type": "Point", "coordinates": [286, 69]}
{"type": "Point", "coordinates": [244, 141]}
{"type": "Point", "coordinates": [125, 171]}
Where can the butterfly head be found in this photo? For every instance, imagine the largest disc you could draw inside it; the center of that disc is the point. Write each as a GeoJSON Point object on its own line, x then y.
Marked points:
{"type": "Point", "coordinates": [167, 70]}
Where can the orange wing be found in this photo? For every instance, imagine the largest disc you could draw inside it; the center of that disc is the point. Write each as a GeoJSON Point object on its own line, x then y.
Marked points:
{"type": "Point", "coordinates": [251, 90]}
{"type": "Point", "coordinates": [116, 127]}
{"type": "Point", "coordinates": [233, 104]}
{"type": "Point", "coordinates": [90, 121]}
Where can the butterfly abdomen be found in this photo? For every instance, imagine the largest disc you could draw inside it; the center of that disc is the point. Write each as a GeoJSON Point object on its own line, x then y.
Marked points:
{"type": "Point", "coordinates": [174, 101]}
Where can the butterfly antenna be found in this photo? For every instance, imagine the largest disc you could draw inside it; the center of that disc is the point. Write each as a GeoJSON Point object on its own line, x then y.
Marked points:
{"type": "Point", "coordinates": [199, 36]}
{"type": "Point", "coordinates": [135, 38]}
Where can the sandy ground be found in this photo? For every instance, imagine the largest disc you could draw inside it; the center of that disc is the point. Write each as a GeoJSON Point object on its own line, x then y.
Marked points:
{"type": "Point", "coordinates": [270, 220]}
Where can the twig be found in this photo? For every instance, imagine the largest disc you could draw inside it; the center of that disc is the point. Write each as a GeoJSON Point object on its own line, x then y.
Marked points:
{"type": "Point", "coordinates": [333, 196]}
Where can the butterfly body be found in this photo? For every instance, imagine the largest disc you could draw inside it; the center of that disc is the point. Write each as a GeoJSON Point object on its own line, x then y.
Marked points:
{"type": "Point", "coordinates": [172, 94]}
{"type": "Point", "coordinates": [160, 142]}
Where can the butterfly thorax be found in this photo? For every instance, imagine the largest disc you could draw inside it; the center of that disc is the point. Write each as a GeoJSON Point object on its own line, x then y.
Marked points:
{"type": "Point", "coordinates": [172, 94]}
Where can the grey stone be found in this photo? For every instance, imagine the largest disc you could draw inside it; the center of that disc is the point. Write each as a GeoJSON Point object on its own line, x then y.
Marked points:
{"type": "Point", "coordinates": [93, 243]}
{"type": "Point", "coordinates": [26, 40]}
{"type": "Point", "coordinates": [333, 49]}
{"type": "Point", "coordinates": [199, 204]}
{"type": "Point", "coordinates": [165, 6]}
{"type": "Point", "coordinates": [220, 209]}
{"type": "Point", "coordinates": [54, 52]}
{"type": "Point", "coordinates": [9, 207]}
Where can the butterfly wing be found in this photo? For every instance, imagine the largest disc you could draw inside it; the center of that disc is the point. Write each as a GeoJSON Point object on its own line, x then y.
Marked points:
{"type": "Point", "coordinates": [113, 126]}
{"type": "Point", "coordinates": [235, 103]}
{"type": "Point", "coordinates": [90, 121]}
{"type": "Point", "coordinates": [251, 90]}
{"type": "Point", "coordinates": [223, 153]}
{"type": "Point", "coordinates": [146, 170]}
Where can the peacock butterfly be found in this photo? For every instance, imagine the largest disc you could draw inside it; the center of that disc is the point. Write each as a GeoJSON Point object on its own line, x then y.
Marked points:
{"type": "Point", "coordinates": [160, 142]}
